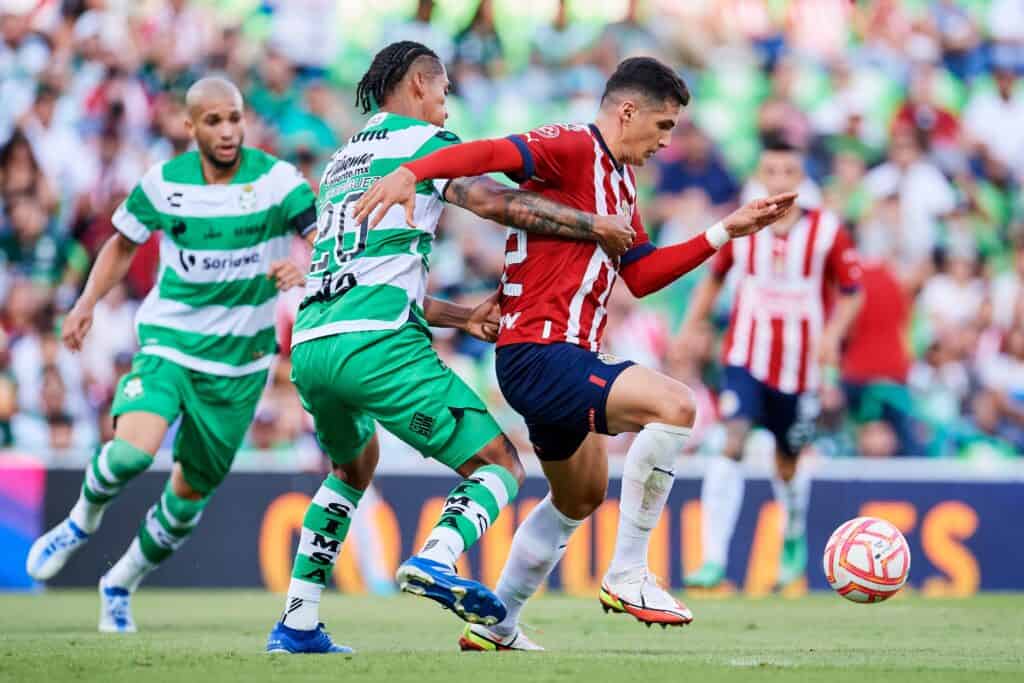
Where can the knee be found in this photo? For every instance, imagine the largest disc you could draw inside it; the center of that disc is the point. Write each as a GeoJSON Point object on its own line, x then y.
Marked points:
{"type": "Point", "coordinates": [785, 465]}
{"type": "Point", "coordinates": [735, 437]}
{"type": "Point", "coordinates": [677, 406]}
{"type": "Point", "coordinates": [583, 501]}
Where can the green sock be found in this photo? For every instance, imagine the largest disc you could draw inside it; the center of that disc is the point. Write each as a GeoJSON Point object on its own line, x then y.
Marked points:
{"type": "Point", "coordinates": [167, 526]}
{"type": "Point", "coordinates": [115, 464]}
{"type": "Point", "coordinates": [324, 529]}
{"type": "Point", "coordinates": [469, 510]}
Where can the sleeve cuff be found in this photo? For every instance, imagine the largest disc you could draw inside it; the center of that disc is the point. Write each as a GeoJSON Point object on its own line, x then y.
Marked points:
{"type": "Point", "coordinates": [528, 164]}
{"type": "Point", "coordinates": [717, 235]}
{"type": "Point", "coordinates": [130, 226]}
{"type": "Point", "coordinates": [636, 253]}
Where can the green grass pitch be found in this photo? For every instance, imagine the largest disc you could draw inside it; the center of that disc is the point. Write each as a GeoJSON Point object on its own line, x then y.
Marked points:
{"type": "Point", "coordinates": [198, 636]}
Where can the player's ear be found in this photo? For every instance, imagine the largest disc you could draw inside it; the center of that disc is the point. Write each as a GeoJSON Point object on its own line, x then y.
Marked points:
{"type": "Point", "coordinates": [627, 110]}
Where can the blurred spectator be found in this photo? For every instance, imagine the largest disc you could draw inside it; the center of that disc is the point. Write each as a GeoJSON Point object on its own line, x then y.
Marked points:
{"type": "Point", "coordinates": [55, 144]}
{"type": "Point", "coordinates": [31, 248]}
{"type": "Point", "coordinates": [51, 426]}
{"type": "Point", "coordinates": [305, 31]}
{"type": "Point", "coordinates": [922, 111]}
{"type": "Point", "coordinates": [959, 39]}
{"type": "Point", "coordinates": [953, 296]}
{"type": "Point", "coordinates": [20, 173]}
{"type": "Point", "coordinates": [479, 45]}
{"type": "Point", "coordinates": [992, 120]}
{"type": "Point", "coordinates": [692, 162]}
{"type": "Point", "coordinates": [1007, 289]}
{"type": "Point", "coordinates": [274, 95]}
{"type": "Point", "coordinates": [876, 360]}
{"type": "Point", "coordinates": [421, 29]}
{"type": "Point", "coordinates": [925, 196]}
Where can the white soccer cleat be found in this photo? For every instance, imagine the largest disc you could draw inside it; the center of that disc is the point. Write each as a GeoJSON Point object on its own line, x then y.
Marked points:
{"type": "Point", "coordinates": [52, 550]}
{"type": "Point", "coordinates": [115, 609]}
{"type": "Point", "coordinates": [639, 594]}
{"type": "Point", "coordinates": [478, 638]}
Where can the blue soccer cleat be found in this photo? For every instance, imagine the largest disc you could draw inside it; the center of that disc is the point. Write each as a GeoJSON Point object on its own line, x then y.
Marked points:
{"type": "Point", "coordinates": [115, 609]}
{"type": "Point", "coordinates": [52, 550]}
{"type": "Point", "coordinates": [292, 641]}
{"type": "Point", "coordinates": [472, 601]}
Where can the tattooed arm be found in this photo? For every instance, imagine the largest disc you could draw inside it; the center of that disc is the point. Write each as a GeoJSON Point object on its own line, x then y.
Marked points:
{"type": "Point", "coordinates": [536, 214]}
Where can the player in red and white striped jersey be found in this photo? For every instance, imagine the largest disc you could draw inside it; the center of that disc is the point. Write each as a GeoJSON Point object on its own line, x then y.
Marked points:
{"type": "Point", "coordinates": [553, 313]}
{"type": "Point", "coordinates": [779, 337]}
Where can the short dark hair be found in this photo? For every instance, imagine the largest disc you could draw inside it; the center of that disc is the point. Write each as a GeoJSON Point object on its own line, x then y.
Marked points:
{"type": "Point", "coordinates": [776, 142]}
{"type": "Point", "coordinates": [389, 67]}
{"type": "Point", "coordinates": [649, 77]}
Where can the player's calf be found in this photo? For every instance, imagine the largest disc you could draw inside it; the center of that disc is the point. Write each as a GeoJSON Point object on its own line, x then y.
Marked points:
{"type": "Point", "coordinates": [493, 476]}
{"type": "Point", "coordinates": [115, 464]}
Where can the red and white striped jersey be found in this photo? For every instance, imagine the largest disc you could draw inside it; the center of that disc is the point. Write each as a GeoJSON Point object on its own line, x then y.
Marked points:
{"type": "Point", "coordinates": [553, 289]}
{"type": "Point", "coordinates": [782, 287]}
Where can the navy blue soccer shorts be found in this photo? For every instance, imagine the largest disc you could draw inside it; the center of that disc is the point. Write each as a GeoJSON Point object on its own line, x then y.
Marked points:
{"type": "Point", "coordinates": [789, 417]}
{"type": "Point", "coordinates": [561, 390]}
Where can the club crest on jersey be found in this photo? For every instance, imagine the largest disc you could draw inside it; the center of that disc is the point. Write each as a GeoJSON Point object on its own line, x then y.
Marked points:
{"type": "Point", "coordinates": [247, 199]}
{"type": "Point", "coordinates": [133, 388]}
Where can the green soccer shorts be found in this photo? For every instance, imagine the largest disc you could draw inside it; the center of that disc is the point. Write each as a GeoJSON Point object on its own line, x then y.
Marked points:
{"type": "Point", "coordinates": [215, 412]}
{"type": "Point", "coordinates": [396, 378]}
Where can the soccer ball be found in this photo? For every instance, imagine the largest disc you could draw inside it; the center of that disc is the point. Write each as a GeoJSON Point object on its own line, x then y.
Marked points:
{"type": "Point", "coordinates": [867, 560]}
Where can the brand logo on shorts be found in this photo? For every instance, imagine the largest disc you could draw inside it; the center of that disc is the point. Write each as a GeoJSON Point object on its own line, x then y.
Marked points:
{"type": "Point", "coordinates": [133, 388]}
{"type": "Point", "coordinates": [422, 424]}
{"type": "Point", "coordinates": [728, 403]}
{"type": "Point", "coordinates": [608, 359]}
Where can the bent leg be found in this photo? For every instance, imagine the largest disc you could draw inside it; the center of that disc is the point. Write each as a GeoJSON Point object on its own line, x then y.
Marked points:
{"type": "Point", "coordinates": [578, 486]}
{"type": "Point", "coordinates": [664, 411]}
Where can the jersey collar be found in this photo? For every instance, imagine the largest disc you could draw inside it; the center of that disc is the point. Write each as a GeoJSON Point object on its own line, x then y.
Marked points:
{"type": "Point", "coordinates": [600, 139]}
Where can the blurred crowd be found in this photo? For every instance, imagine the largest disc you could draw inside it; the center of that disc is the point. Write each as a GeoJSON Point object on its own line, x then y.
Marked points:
{"type": "Point", "coordinates": [911, 114]}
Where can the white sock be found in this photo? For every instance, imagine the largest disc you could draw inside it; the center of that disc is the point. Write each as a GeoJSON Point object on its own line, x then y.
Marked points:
{"type": "Point", "coordinates": [794, 496]}
{"type": "Point", "coordinates": [647, 479]}
{"type": "Point", "coordinates": [129, 571]}
{"type": "Point", "coordinates": [87, 515]}
{"type": "Point", "coordinates": [302, 607]}
{"type": "Point", "coordinates": [537, 546]}
{"type": "Point", "coordinates": [721, 497]}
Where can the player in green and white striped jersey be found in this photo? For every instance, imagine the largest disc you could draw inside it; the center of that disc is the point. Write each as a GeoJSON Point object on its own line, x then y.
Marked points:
{"type": "Point", "coordinates": [362, 353]}
{"type": "Point", "coordinates": [227, 214]}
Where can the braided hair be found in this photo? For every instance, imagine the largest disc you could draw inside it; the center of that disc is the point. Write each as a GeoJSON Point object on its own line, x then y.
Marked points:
{"type": "Point", "coordinates": [387, 70]}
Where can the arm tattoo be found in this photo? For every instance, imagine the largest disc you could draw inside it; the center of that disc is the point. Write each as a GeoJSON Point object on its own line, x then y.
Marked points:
{"type": "Point", "coordinates": [520, 209]}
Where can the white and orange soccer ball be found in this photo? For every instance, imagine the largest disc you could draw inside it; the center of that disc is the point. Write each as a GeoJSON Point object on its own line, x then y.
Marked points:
{"type": "Point", "coordinates": [867, 560]}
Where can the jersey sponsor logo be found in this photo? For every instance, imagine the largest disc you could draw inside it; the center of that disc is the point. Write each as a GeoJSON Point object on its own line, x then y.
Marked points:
{"type": "Point", "coordinates": [175, 199]}
{"type": "Point", "coordinates": [370, 136]}
{"type": "Point", "coordinates": [508, 320]}
{"type": "Point", "coordinates": [213, 263]}
{"type": "Point", "coordinates": [133, 387]}
{"type": "Point", "coordinates": [187, 260]}
{"type": "Point", "coordinates": [346, 167]}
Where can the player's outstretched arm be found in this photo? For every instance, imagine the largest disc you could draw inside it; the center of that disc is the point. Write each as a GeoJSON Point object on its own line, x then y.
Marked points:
{"type": "Point", "coordinates": [111, 266]}
{"type": "Point", "coordinates": [458, 161]}
{"type": "Point", "coordinates": [657, 268]}
{"type": "Point", "coordinates": [533, 213]}
{"type": "Point", "coordinates": [480, 321]}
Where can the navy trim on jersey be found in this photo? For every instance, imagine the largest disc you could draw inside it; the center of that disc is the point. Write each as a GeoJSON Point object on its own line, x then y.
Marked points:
{"type": "Point", "coordinates": [600, 138]}
{"type": "Point", "coordinates": [528, 164]}
{"type": "Point", "coordinates": [636, 253]}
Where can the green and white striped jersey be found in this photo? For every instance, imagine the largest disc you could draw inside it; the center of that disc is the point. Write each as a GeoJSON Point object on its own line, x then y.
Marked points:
{"type": "Point", "coordinates": [212, 307]}
{"type": "Point", "coordinates": [363, 279]}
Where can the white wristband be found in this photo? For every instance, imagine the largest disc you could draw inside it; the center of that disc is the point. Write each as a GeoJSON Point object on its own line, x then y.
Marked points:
{"type": "Point", "coordinates": [717, 235]}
